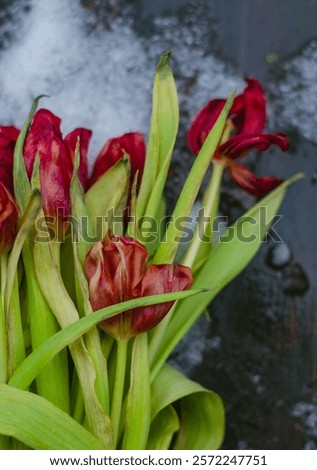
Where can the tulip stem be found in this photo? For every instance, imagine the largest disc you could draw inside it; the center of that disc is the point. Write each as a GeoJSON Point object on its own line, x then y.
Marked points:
{"type": "Point", "coordinates": [3, 333]}
{"type": "Point", "coordinates": [119, 381]}
{"type": "Point", "coordinates": [15, 336]}
{"type": "Point", "coordinates": [52, 381]}
{"type": "Point", "coordinates": [3, 340]}
{"type": "Point", "coordinates": [202, 241]}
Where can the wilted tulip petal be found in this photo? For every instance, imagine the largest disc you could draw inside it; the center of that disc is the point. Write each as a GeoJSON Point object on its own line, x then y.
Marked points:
{"type": "Point", "coordinates": [116, 270]}
{"type": "Point", "coordinates": [203, 123]}
{"type": "Point", "coordinates": [248, 181]}
{"type": "Point", "coordinates": [132, 143]}
{"type": "Point", "coordinates": [8, 138]}
{"type": "Point", "coordinates": [158, 279]}
{"type": "Point", "coordinates": [8, 219]}
{"type": "Point", "coordinates": [240, 145]}
{"type": "Point", "coordinates": [248, 113]}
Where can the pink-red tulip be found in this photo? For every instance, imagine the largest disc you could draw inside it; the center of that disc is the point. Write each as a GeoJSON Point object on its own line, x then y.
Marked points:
{"type": "Point", "coordinates": [56, 164]}
{"type": "Point", "coordinates": [117, 270]}
{"type": "Point", "coordinates": [132, 144]}
{"type": "Point", "coordinates": [247, 117]}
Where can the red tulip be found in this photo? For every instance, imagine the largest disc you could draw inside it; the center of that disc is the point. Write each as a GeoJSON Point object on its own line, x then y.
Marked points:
{"type": "Point", "coordinates": [117, 270]}
{"type": "Point", "coordinates": [247, 117]}
{"type": "Point", "coordinates": [132, 144]}
{"type": "Point", "coordinates": [56, 164]}
{"type": "Point", "coordinates": [8, 219]}
{"type": "Point", "coordinates": [8, 138]}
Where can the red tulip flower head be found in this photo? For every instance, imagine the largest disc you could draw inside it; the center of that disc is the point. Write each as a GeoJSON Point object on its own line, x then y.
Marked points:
{"type": "Point", "coordinates": [247, 117]}
{"type": "Point", "coordinates": [117, 270]}
{"type": "Point", "coordinates": [132, 143]}
{"type": "Point", "coordinates": [56, 164]}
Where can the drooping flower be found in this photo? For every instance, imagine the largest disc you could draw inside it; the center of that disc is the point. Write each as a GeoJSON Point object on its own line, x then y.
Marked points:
{"type": "Point", "coordinates": [247, 117]}
{"type": "Point", "coordinates": [8, 219]}
{"type": "Point", "coordinates": [56, 164]}
{"type": "Point", "coordinates": [8, 138]}
{"type": "Point", "coordinates": [116, 268]}
{"type": "Point", "coordinates": [132, 144]}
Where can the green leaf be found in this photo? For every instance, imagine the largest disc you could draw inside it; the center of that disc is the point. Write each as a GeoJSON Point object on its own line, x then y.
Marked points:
{"type": "Point", "coordinates": [202, 412]}
{"type": "Point", "coordinates": [26, 224]}
{"type": "Point", "coordinates": [163, 427]}
{"type": "Point", "coordinates": [81, 224]}
{"type": "Point", "coordinates": [163, 131]}
{"type": "Point", "coordinates": [107, 199]}
{"type": "Point", "coordinates": [232, 254]}
{"type": "Point", "coordinates": [168, 248]}
{"type": "Point", "coordinates": [39, 424]}
{"type": "Point", "coordinates": [32, 365]}
{"type": "Point", "coordinates": [137, 423]}
{"type": "Point", "coordinates": [22, 187]}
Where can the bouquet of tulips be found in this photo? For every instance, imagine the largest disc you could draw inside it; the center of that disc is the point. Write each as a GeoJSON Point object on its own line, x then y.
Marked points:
{"type": "Point", "coordinates": [93, 301]}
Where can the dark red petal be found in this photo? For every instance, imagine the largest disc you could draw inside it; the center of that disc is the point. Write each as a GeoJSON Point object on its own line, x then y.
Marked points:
{"type": "Point", "coordinates": [8, 138]}
{"type": "Point", "coordinates": [159, 279]}
{"type": "Point", "coordinates": [132, 143]}
{"type": "Point", "coordinates": [45, 138]}
{"type": "Point", "coordinates": [101, 287]}
{"type": "Point", "coordinates": [84, 136]}
{"type": "Point", "coordinates": [114, 266]}
{"type": "Point", "coordinates": [248, 181]}
{"type": "Point", "coordinates": [248, 113]}
{"type": "Point", "coordinates": [8, 219]}
{"type": "Point", "coordinates": [240, 145]}
{"type": "Point", "coordinates": [203, 123]}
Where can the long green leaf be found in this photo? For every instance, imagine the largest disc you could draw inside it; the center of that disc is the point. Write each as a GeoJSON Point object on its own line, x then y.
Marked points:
{"type": "Point", "coordinates": [202, 412]}
{"type": "Point", "coordinates": [39, 424]}
{"type": "Point", "coordinates": [137, 423]}
{"type": "Point", "coordinates": [168, 248]}
{"type": "Point", "coordinates": [163, 427]}
{"type": "Point", "coordinates": [233, 253]}
{"type": "Point", "coordinates": [28, 370]}
{"type": "Point", "coordinates": [163, 131]}
{"type": "Point", "coordinates": [107, 199]}
{"type": "Point", "coordinates": [22, 187]}
{"type": "Point", "coordinates": [26, 224]}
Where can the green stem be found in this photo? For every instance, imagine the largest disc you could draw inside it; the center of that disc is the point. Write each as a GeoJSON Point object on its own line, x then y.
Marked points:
{"type": "Point", "coordinates": [3, 329]}
{"type": "Point", "coordinates": [52, 382]}
{"type": "Point", "coordinates": [77, 404]}
{"type": "Point", "coordinates": [117, 397]}
{"type": "Point", "coordinates": [15, 335]}
{"type": "Point", "coordinates": [158, 333]}
{"type": "Point", "coordinates": [4, 440]}
{"type": "Point", "coordinates": [203, 237]}
{"type": "Point", "coordinates": [138, 408]}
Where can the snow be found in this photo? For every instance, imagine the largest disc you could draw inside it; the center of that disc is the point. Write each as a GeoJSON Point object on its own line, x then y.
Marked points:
{"type": "Point", "coordinates": [100, 79]}
{"type": "Point", "coordinates": [296, 93]}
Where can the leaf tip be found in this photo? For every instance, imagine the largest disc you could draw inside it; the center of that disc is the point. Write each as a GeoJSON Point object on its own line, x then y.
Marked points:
{"type": "Point", "coordinates": [164, 60]}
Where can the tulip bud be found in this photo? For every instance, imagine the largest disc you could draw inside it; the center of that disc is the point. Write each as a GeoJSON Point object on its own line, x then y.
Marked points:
{"type": "Point", "coordinates": [8, 219]}
{"type": "Point", "coordinates": [117, 271]}
{"type": "Point", "coordinates": [56, 166]}
{"type": "Point", "coordinates": [132, 144]}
